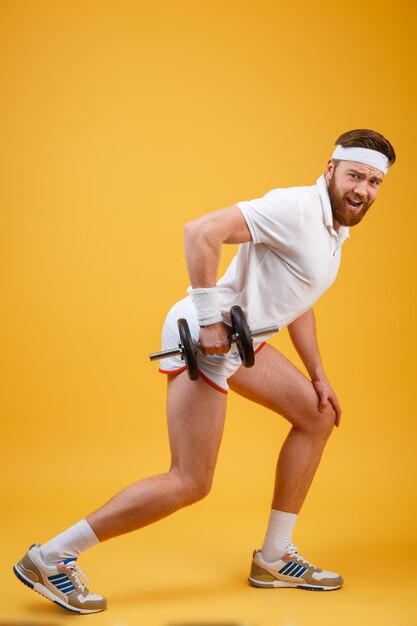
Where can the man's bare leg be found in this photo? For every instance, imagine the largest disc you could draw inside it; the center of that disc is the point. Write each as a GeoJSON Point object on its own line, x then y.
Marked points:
{"type": "Point", "coordinates": [277, 384]}
{"type": "Point", "coordinates": [195, 423]}
{"type": "Point", "coordinates": [196, 414]}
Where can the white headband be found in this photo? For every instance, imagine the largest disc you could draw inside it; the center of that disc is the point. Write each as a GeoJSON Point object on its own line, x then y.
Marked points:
{"type": "Point", "coordinates": [373, 158]}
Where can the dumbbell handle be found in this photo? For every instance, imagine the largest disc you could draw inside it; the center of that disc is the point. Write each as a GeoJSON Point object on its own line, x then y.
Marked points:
{"type": "Point", "coordinates": [165, 354]}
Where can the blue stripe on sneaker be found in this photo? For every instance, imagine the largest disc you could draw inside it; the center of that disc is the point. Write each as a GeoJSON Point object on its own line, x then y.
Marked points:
{"type": "Point", "coordinates": [64, 583]}
{"type": "Point", "coordinates": [68, 588]}
{"type": "Point", "coordinates": [61, 583]}
{"type": "Point", "coordinates": [56, 577]}
{"type": "Point", "coordinates": [296, 570]}
{"type": "Point", "coordinates": [300, 573]}
{"type": "Point", "coordinates": [286, 568]}
{"type": "Point", "coordinates": [291, 569]}
{"type": "Point", "coordinates": [66, 561]}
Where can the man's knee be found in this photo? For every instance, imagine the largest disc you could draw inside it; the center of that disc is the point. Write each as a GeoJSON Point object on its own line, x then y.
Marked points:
{"type": "Point", "coordinates": [321, 423]}
{"type": "Point", "coordinates": [193, 488]}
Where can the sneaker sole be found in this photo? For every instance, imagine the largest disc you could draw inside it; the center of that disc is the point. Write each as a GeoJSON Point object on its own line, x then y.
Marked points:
{"type": "Point", "coordinates": [281, 584]}
{"type": "Point", "coordinates": [47, 593]}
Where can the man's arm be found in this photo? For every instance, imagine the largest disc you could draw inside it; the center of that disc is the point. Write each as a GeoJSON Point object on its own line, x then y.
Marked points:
{"type": "Point", "coordinates": [203, 239]}
{"type": "Point", "coordinates": [303, 336]}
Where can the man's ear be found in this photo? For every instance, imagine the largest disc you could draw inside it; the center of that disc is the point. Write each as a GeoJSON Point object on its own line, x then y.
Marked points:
{"type": "Point", "coordinates": [329, 169]}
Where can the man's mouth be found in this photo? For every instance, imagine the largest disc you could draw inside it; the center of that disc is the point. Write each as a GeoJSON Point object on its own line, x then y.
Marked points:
{"type": "Point", "coordinates": [354, 205]}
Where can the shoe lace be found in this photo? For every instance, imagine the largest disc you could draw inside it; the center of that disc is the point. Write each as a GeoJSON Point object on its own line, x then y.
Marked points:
{"type": "Point", "coordinates": [292, 551]}
{"type": "Point", "coordinates": [76, 575]}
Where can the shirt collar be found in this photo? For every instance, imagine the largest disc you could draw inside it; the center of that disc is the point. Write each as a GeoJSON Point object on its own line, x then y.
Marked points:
{"type": "Point", "coordinates": [327, 210]}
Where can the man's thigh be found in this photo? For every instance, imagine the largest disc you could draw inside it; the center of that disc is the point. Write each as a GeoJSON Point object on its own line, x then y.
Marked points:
{"type": "Point", "coordinates": [196, 413]}
{"type": "Point", "coordinates": [278, 385]}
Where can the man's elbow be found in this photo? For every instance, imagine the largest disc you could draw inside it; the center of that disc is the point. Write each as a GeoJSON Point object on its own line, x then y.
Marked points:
{"type": "Point", "coordinates": [199, 229]}
{"type": "Point", "coordinates": [189, 227]}
{"type": "Point", "coordinates": [190, 230]}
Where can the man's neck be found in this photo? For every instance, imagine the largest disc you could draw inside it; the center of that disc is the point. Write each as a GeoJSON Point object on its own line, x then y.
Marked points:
{"type": "Point", "coordinates": [336, 225]}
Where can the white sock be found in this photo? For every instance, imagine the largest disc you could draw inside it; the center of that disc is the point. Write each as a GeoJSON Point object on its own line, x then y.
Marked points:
{"type": "Point", "coordinates": [278, 535]}
{"type": "Point", "coordinates": [69, 544]}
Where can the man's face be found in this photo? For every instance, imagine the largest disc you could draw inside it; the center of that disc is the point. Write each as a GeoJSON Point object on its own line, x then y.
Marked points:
{"type": "Point", "coordinates": [352, 189]}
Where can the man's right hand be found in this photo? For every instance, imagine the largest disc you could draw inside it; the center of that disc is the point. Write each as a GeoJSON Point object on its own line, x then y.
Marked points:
{"type": "Point", "coordinates": [215, 339]}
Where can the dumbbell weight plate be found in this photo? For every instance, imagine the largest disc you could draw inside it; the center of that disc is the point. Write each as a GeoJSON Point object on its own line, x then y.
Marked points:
{"type": "Point", "coordinates": [244, 340]}
{"type": "Point", "coordinates": [188, 349]}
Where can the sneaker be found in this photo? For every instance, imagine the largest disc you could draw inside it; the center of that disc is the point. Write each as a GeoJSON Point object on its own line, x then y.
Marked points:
{"type": "Point", "coordinates": [61, 583]}
{"type": "Point", "coordinates": [291, 571]}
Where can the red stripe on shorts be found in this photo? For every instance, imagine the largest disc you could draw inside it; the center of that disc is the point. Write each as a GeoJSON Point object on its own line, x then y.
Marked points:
{"type": "Point", "coordinates": [180, 369]}
{"type": "Point", "coordinates": [210, 382]}
{"type": "Point", "coordinates": [203, 376]}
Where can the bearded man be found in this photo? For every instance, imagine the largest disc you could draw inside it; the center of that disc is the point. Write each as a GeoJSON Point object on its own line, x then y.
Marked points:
{"type": "Point", "coordinates": [289, 254]}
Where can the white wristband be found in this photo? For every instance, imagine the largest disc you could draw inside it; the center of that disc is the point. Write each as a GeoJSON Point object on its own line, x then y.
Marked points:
{"type": "Point", "coordinates": [206, 301]}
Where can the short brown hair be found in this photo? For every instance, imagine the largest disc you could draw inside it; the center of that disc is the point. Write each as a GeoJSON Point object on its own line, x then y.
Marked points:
{"type": "Point", "coordinates": [363, 138]}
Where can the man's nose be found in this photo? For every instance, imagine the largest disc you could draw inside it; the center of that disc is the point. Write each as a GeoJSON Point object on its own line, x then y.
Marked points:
{"type": "Point", "coordinates": [361, 188]}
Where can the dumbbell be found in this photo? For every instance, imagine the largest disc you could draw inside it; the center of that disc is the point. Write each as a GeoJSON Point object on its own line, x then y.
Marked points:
{"type": "Point", "coordinates": [241, 336]}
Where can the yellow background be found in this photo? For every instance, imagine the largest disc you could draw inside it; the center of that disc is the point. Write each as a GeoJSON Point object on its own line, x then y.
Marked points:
{"type": "Point", "coordinates": [119, 121]}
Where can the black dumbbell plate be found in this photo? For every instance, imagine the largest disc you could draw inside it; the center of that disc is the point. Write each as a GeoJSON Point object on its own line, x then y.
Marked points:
{"type": "Point", "coordinates": [244, 340]}
{"type": "Point", "coordinates": [189, 354]}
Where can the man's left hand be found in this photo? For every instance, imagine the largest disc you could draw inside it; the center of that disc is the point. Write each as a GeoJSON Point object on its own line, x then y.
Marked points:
{"type": "Point", "coordinates": [327, 396]}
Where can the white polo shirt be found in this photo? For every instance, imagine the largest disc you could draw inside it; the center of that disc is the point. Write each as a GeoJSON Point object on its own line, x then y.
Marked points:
{"type": "Point", "coordinates": [293, 258]}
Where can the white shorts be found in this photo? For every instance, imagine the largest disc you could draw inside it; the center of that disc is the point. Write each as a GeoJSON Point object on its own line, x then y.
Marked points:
{"type": "Point", "coordinates": [215, 369]}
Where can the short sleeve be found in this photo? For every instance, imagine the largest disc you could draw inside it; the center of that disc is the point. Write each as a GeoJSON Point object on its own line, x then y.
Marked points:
{"type": "Point", "coordinates": [274, 219]}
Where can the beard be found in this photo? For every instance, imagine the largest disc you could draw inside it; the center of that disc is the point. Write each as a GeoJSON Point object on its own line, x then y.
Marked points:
{"type": "Point", "coordinates": [341, 213]}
